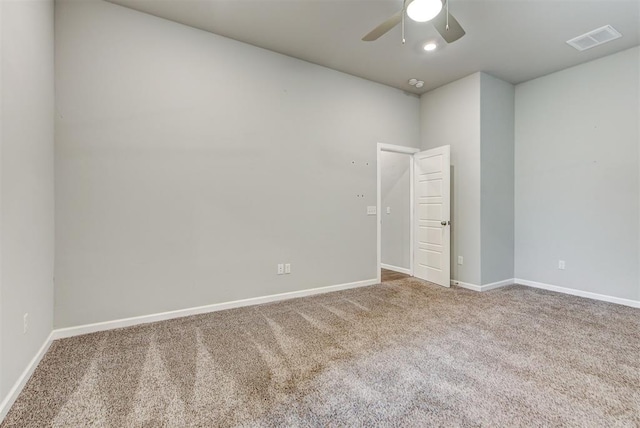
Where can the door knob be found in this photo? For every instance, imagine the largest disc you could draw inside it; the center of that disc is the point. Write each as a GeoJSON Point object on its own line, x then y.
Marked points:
{"type": "Point", "coordinates": [444, 223]}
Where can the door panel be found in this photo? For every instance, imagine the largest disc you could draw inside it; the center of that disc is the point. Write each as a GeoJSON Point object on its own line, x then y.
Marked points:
{"type": "Point", "coordinates": [432, 208]}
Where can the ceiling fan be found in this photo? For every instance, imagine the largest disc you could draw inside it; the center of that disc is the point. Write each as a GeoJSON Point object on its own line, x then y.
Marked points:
{"type": "Point", "coordinates": [436, 11]}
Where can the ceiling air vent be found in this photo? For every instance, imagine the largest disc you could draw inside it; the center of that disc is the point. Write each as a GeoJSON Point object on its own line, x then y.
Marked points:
{"type": "Point", "coordinates": [594, 38]}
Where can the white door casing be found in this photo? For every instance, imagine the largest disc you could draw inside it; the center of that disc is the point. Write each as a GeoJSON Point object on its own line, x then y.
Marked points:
{"type": "Point", "coordinates": [432, 231]}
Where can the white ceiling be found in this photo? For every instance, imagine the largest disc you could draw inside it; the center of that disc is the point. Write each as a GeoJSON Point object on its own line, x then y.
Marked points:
{"type": "Point", "coordinates": [515, 40]}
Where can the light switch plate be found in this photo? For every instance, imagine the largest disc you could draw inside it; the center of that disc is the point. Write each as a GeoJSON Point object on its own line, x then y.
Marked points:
{"type": "Point", "coordinates": [388, 210]}
{"type": "Point", "coordinates": [372, 210]}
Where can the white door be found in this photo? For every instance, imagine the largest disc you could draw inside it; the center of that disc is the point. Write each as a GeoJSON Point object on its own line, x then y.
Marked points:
{"type": "Point", "coordinates": [432, 229]}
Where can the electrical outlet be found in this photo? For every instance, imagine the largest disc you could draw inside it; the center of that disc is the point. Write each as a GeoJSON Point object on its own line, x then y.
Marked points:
{"type": "Point", "coordinates": [287, 268]}
{"type": "Point", "coordinates": [561, 264]}
{"type": "Point", "coordinates": [280, 268]}
{"type": "Point", "coordinates": [460, 260]}
{"type": "Point", "coordinates": [372, 210]}
{"type": "Point", "coordinates": [25, 323]}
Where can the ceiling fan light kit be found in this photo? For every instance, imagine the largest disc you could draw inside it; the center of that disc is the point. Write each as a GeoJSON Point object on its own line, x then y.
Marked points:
{"type": "Point", "coordinates": [424, 10]}
{"type": "Point", "coordinates": [436, 11]}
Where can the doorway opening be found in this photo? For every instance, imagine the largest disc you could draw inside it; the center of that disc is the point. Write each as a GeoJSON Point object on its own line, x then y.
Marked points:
{"type": "Point", "coordinates": [422, 249]}
{"type": "Point", "coordinates": [395, 211]}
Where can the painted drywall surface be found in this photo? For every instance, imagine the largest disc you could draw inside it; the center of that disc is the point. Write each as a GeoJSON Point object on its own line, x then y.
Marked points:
{"type": "Point", "coordinates": [26, 171]}
{"type": "Point", "coordinates": [450, 115]}
{"type": "Point", "coordinates": [189, 165]}
{"type": "Point", "coordinates": [576, 179]}
{"type": "Point", "coordinates": [396, 227]}
{"type": "Point", "coordinates": [497, 179]}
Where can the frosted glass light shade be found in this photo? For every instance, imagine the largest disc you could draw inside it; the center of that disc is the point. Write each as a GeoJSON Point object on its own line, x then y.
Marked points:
{"type": "Point", "coordinates": [424, 10]}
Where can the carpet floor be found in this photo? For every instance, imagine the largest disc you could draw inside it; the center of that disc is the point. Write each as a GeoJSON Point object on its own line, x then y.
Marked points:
{"type": "Point", "coordinates": [403, 353]}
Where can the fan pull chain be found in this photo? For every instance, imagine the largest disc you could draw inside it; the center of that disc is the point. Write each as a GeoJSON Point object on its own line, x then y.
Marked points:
{"type": "Point", "coordinates": [403, 39]}
{"type": "Point", "coordinates": [447, 26]}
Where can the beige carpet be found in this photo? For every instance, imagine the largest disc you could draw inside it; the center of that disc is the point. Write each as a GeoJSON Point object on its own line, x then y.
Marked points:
{"type": "Point", "coordinates": [404, 353]}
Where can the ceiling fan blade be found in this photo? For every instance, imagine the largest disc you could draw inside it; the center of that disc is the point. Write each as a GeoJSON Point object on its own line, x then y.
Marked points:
{"type": "Point", "coordinates": [455, 30]}
{"type": "Point", "coordinates": [383, 28]}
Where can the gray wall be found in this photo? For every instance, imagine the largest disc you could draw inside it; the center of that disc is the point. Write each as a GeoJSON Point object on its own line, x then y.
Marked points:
{"type": "Point", "coordinates": [26, 177]}
{"type": "Point", "coordinates": [396, 226]}
{"type": "Point", "coordinates": [496, 181]}
{"type": "Point", "coordinates": [475, 116]}
{"type": "Point", "coordinates": [576, 180]}
{"type": "Point", "coordinates": [450, 115]}
{"type": "Point", "coordinates": [188, 165]}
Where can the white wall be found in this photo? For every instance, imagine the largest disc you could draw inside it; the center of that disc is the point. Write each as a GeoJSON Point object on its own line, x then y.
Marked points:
{"type": "Point", "coordinates": [396, 225]}
{"type": "Point", "coordinates": [188, 165]}
{"type": "Point", "coordinates": [497, 179]}
{"type": "Point", "coordinates": [576, 177]}
{"type": "Point", "coordinates": [450, 115]}
{"type": "Point", "coordinates": [26, 177]}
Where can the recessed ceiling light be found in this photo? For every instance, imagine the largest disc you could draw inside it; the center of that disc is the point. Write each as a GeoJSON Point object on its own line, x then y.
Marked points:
{"type": "Point", "coordinates": [413, 82]}
{"type": "Point", "coordinates": [430, 47]}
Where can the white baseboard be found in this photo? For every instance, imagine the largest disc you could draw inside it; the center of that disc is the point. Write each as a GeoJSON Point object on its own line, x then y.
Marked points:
{"type": "Point", "coordinates": [485, 287]}
{"type": "Point", "coordinates": [466, 285]}
{"type": "Point", "coordinates": [395, 268]}
{"type": "Point", "coordinates": [24, 377]}
{"type": "Point", "coordinates": [127, 322]}
{"type": "Point", "coordinates": [579, 293]}
{"type": "Point", "coordinates": [144, 319]}
{"type": "Point", "coordinates": [497, 284]}
{"type": "Point", "coordinates": [62, 333]}
{"type": "Point", "coordinates": [540, 285]}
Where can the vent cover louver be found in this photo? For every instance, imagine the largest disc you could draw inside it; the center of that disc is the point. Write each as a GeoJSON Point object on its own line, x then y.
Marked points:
{"type": "Point", "coordinates": [594, 38]}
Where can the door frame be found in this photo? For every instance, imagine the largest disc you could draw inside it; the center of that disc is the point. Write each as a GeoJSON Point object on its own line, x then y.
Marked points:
{"type": "Point", "coordinates": [383, 147]}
